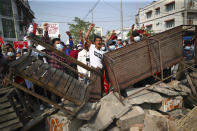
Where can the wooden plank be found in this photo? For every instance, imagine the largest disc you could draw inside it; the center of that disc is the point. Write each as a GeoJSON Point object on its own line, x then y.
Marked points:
{"type": "Point", "coordinates": [5, 90]}
{"type": "Point", "coordinates": [41, 71]}
{"type": "Point", "coordinates": [55, 78]}
{"type": "Point", "coordinates": [13, 127]}
{"type": "Point", "coordinates": [48, 76]}
{"type": "Point", "coordinates": [18, 61]}
{"type": "Point", "coordinates": [3, 125]}
{"type": "Point", "coordinates": [3, 99]}
{"type": "Point", "coordinates": [62, 83]}
{"type": "Point", "coordinates": [29, 71]}
{"type": "Point", "coordinates": [71, 87]}
{"type": "Point", "coordinates": [7, 117]}
{"type": "Point", "coordinates": [83, 92]}
{"type": "Point", "coordinates": [76, 91]}
{"type": "Point", "coordinates": [190, 83]}
{"type": "Point", "coordinates": [8, 110]}
{"type": "Point", "coordinates": [68, 84]}
{"type": "Point", "coordinates": [4, 105]}
{"type": "Point", "coordinates": [25, 63]}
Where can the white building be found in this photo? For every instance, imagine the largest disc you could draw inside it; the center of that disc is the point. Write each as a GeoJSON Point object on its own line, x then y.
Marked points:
{"type": "Point", "coordinates": [125, 33]}
{"type": "Point", "coordinates": [162, 15]}
{"type": "Point", "coordinates": [15, 17]}
{"type": "Point", "coordinates": [98, 31]}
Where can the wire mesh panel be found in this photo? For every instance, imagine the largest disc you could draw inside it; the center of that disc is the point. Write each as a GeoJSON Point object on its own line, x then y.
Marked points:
{"type": "Point", "coordinates": [138, 61]}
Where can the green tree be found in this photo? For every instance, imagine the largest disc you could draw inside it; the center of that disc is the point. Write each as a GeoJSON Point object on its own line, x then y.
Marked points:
{"type": "Point", "coordinates": [77, 26]}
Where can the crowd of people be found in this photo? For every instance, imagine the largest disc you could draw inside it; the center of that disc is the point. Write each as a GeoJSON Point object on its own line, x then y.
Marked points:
{"type": "Point", "coordinates": [88, 52]}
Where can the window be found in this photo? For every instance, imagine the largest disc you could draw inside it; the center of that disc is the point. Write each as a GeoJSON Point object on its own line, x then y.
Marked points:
{"type": "Point", "coordinates": [157, 11]}
{"type": "Point", "coordinates": [149, 14]}
{"type": "Point", "coordinates": [6, 8]}
{"type": "Point", "coordinates": [190, 20]}
{"type": "Point", "coordinates": [8, 28]}
{"type": "Point", "coordinates": [170, 23]}
{"type": "Point", "coordinates": [149, 27]}
{"type": "Point", "coordinates": [170, 7]}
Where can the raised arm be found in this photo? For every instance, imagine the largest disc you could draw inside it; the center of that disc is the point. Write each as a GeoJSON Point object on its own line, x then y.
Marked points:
{"type": "Point", "coordinates": [88, 33]}
{"type": "Point", "coordinates": [131, 36]}
{"type": "Point", "coordinates": [46, 35]}
{"type": "Point", "coordinates": [81, 38]}
{"type": "Point", "coordinates": [71, 44]}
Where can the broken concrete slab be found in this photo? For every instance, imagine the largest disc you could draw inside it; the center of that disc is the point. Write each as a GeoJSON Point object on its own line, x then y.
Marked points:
{"type": "Point", "coordinates": [144, 96]}
{"type": "Point", "coordinates": [136, 127]}
{"type": "Point", "coordinates": [87, 128]}
{"type": "Point", "coordinates": [135, 116]}
{"type": "Point", "coordinates": [88, 111]}
{"type": "Point", "coordinates": [184, 88]}
{"type": "Point", "coordinates": [165, 90]}
{"type": "Point", "coordinates": [155, 121]}
{"type": "Point", "coordinates": [110, 109]}
{"type": "Point", "coordinates": [114, 129]}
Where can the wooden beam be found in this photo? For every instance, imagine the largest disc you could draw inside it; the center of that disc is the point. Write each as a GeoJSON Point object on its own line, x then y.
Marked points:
{"type": "Point", "coordinates": [37, 40]}
{"type": "Point", "coordinates": [38, 96]}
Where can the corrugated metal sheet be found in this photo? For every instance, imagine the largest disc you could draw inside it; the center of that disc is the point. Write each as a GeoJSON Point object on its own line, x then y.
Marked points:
{"type": "Point", "coordinates": [136, 62]}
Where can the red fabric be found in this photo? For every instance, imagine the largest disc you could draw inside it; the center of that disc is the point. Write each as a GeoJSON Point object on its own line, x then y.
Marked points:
{"type": "Point", "coordinates": [113, 37]}
{"type": "Point", "coordinates": [106, 85]}
{"type": "Point", "coordinates": [19, 79]}
{"type": "Point", "coordinates": [74, 53]}
{"type": "Point", "coordinates": [1, 40]}
{"type": "Point", "coordinates": [140, 31]}
{"type": "Point", "coordinates": [53, 63]}
{"type": "Point", "coordinates": [20, 44]}
{"type": "Point", "coordinates": [34, 28]}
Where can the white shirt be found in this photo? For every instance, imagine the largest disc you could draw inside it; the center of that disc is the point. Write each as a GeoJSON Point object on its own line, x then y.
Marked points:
{"type": "Point", "coordinates": [82, 58]}
{"type": "Point", "coordinates": [96, 57]}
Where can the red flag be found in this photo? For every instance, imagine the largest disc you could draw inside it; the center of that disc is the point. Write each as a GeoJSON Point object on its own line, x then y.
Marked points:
{"type": "Point", "coordinates": [1, 40]}
{"type": "Point", "coordinates": [34, 28]}
{"type": "Point", "coordinates": [106, 85]}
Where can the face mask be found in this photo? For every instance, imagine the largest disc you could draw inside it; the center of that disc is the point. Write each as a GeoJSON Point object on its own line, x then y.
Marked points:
{"type": "Point", "coordinates": [59, 46]}
{"type": "Point", "coordinates": [137, 38]}
{"type": "Point", "coordinates": [103, 48]}
{"type": "Point", "coordinates": [124, 44]}
{"type": "Point", "coordinates": [17, 57]}
{"type": "Point", "coordinates": [25, 53]}
{"type": "Point", "coordinates": [112, 47]}
{"type": "Point", "coordinates": [10, 54]}
{"type": "Point", "coordinates": [187, 47]}
{"type": "Point", "coordinates": [80, 48]}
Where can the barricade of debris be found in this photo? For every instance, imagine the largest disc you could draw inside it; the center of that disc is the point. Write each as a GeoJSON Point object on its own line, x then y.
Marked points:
{"type": "Point", "coordinates": [159, 107]}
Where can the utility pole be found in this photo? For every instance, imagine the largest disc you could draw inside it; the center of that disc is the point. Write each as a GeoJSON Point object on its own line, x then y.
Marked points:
{"type": "Point", "coordinates": [92, 16]}
{"type": "Point", "coordinates": [121, 19]}
{"type": "Point", "coordinates": [14, 17]}
{"type": "Point", "coordinates": [137, 7]}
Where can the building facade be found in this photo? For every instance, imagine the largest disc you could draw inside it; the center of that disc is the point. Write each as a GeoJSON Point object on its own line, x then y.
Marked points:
{"type": "Point", "coordinates": [162, 15]}
{"type": "Point", "coordinates": [15, 17]}
{"type": "Point", "coordinates": [125, 33]}
{"type": "Point", "coordinates": [98, 31]}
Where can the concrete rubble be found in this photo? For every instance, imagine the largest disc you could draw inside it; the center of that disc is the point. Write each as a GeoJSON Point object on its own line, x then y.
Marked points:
{"type": "Point", "coordinates": [135, 116]}
{"type": "Point", "coordinates": [144, 96]}
{"type": "Point", "coordinates": [155, 108]}
{"type": "Point", "coordinates": [111, 108]}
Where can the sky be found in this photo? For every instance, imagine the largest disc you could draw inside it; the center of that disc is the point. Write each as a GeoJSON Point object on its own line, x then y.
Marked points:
{"type": "Point", "coordinates": [105, 15]}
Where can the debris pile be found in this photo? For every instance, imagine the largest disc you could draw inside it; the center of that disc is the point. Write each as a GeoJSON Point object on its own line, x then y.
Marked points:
{"type": "Point", "coordinates": [160, 107]}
